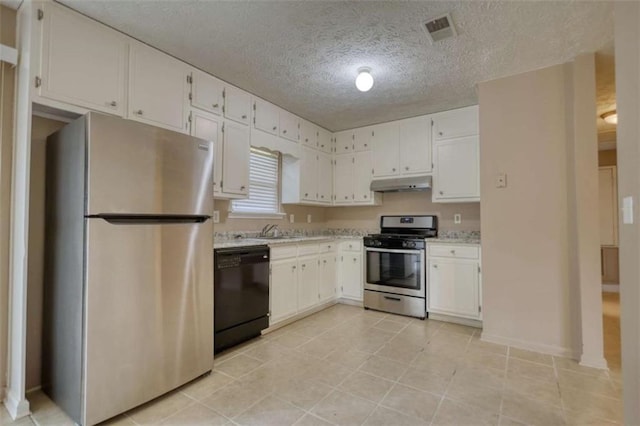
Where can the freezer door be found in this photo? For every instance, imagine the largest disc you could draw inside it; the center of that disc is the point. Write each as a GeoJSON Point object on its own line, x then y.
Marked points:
{"type": "Point", "coordinates": [142, 169]}
{"type": "Point", "coordinates": [148, 312]}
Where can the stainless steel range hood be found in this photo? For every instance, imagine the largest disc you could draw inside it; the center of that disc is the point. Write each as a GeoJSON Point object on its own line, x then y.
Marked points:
{"type": "Point", "coordinates": [402, 184]}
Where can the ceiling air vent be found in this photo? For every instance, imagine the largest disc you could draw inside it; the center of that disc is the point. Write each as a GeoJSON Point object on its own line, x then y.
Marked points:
{"type": "Point", "coordinates": [440, 28]}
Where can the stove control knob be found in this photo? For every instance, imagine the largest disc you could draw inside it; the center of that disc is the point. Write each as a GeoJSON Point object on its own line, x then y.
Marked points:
{"type": "Point", "coordinates": [377, 243]}
{"type": "Point", "coordinates": [408, 244]}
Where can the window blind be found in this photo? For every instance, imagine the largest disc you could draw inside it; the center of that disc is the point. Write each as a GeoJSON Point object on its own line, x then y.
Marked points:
{"type": "Point", "coordinates": [263, 185]}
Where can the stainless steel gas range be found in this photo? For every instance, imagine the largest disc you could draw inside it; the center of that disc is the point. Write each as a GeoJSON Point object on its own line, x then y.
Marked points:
{"type": "Point", "coordinates": [395, 265]}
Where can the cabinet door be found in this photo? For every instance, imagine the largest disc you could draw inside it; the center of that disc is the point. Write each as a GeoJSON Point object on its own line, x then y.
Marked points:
{"type": "Point", "coordinates": [453, 287]}
{"type": "Point", "coordinates": [327, 277]}
{"type": "Point", "coordinates": [308, 134]}
{"type": "Point", "coordinates": [343, 179]}
{"type": "Point", "coordinates": [309, 174]}
{"type": "Point", "coordinates": [456, 123]}
{"type": "Point", "coordinates": [289, 126]}
{"type": "Point", "coordinates": [608, 206]}
{"type": "Point", "coordinates": [325, 178]}
{"type": "Point", "coordinates": [83, 62]}
{"type": "Point", "coordinates": [266, 116]}
{"type": "Point", "coordinates": [386, 153]}
{"type": "Point", "coordinates": [363, 138]}
{"type": "Point", "coordinates": [207, 126]}
{"type": "Point", "coordinates": [351, 276]}
{"type": "Point", "coordinates": [206, 92]}
{"type": "Point", "coordinates": [415, 145]}
{"type": "Point", "coordinates": [284, 289]}
{"type": "Point", "coordinates": [308, 293]}
{"type": "Point", "coordinates": [157, 98]}
{"type": "Point", "coordinates": [344, 141]}
{"type": "Point", "coordinates": [363, 165]}
{"type": "Point", "coordinates": [325, 140]}
{"type": "Point", "coordinates": [457, 170]}
{"type": "Point", "coordinates": [237, 104]}
{"type": "Point", "coordinates": [237, 148]}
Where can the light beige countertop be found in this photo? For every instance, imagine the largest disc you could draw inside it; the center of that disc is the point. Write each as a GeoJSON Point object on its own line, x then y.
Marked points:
{"type": "Point", "coordinates": [470, 240]}
{"type": "Point", "coordinates": [247, 242]}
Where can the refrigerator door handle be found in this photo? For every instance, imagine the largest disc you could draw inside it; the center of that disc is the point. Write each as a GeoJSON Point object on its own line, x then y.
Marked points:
{"type": "Point", "coordinates": [144, 219]}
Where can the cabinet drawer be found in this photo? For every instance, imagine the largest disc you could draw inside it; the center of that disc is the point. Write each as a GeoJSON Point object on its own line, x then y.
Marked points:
{"type": "Point", "coordinates": [284, 252]}
{"type": "Point", "coordinates": [327, 247]}
{"type": "Point", "coordinates": [460, 252]}
{"type": "Point", "coordinates": [351, 246]}
{"type": "Point", "coordinates": [307, 249]}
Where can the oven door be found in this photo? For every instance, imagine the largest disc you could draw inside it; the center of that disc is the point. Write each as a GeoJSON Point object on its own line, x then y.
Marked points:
{"type": "Point", "coordinates": [395, 271]}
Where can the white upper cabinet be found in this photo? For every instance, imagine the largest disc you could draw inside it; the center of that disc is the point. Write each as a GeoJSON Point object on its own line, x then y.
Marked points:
{"type": "Point", "coordinates": [344, 141]}
{"type": "Point", "coordinates": [309, 133]}
{"type": "Point", "coordinates": [157, 98]}
{"type": "Point", "coordinates": [309, 174]}
{"type": "Point", "coordinates": [386, 153]}
{"type": "Point", "coordinates": [343, 179]}
{"type": "Point", "coordinates": [415, 145]}
{"type": "Point", "coordinates": [362, 177]}
{"type": "Point", "coordinates": [456, 177]}
{"type": "Point", "coordinates": [325, 143]}
{"type": "Point", "coordinates": [266, 116]}
{"type": "Point", "coordinates": [325, 177]}
{"type": "Point", "coordinates": [289, 126]}
{"type": "Point", "coordinates": [206, 92]}
{"type": "Point", "coordinates": [362, 138]}
{"type": "Point", "coordinates": [456, 123]}
{"type": "Point", "coordinates": [207, 126]}
{"type": "Point", "coordinates": [83, 62]}
{"type": "Point", "coordinates": [237, 148]}
{"type": "Point", "coordinates": [237, 104]}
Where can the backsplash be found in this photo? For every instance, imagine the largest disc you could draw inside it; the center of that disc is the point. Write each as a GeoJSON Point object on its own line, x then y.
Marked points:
{"type": "Point", "coordinates": [349, 232]}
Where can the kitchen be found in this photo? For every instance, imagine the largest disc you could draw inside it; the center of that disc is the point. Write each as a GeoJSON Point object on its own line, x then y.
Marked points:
{"type": "Point", "coordinates": [321, 218]}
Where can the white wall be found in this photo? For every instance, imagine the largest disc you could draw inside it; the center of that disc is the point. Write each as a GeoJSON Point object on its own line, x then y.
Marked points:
{"type": "Point", "coordinates": [534, 263]}
{"type": "Point", "coordinates": [627, 42]}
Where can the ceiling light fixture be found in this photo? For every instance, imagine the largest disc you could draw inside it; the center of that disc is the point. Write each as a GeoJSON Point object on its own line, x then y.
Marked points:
{"type": "Point", "coordinates": [610, 117]}
{"type": "Point", "coordinates": [364, 81]}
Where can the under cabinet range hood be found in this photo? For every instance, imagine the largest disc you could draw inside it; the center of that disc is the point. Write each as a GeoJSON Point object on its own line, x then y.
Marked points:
{"type": "Point", "coordinates": [421, 183]}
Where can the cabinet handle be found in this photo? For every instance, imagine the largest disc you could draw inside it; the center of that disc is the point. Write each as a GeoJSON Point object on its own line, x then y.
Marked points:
{"type": "Point", "coordinates": [435, 266]}
{"type": "Point", "coordinates": [453, 252]}
{"type": "Point", "coordinates": [275, 127]}
{"type": "Point", "coordinates": [346, 197]}
{"type": "Point", "coordinates": [242, 188]}
{"type": "Point", "coordinates": [113, 104]}
{"type": "Point", "coordinates": [355, 260]}
{"type": "Point", "coordinates": [393, 170]}
{"type": "Point", "coordinates": [322, 196]}
{"type": "Point", "coordinates": [322, 146]}
{"type": "Point", "coordinates": [441, 193]}
{"type": "Point", "coordinates": [366, 145]}
{"type": "Point", "coordinates": [306, 139]}
{"type": "Point", "coordinates": [440, 133]}
{"type": "Point", "coordinates": [293, 267]}
{"type": "Point", "coordinates": [138, 112]}
{"type": "Point", "coordinates": [365, 196]}
{"type": "Point", "coordinates": [325, 262]}
{"type": "Point", "coordinates": [284, 131]}
{"type": "Point", "coordinates": [215, 105]}
{"type": "Point", "coordinates": [304, 266]}
{"type": "Point", "coordinates": [406, 168]}
{"type": "Point", "coordinates": [244, 116]}
{"type": "Point", "coordinates": [306, 194]}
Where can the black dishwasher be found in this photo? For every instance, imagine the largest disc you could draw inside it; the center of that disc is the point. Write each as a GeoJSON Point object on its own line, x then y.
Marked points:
{"type": "Point", "coordinates": [241, 294]}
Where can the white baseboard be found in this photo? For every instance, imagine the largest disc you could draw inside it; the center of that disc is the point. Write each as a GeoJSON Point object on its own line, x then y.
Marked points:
{"type": "Point", "coordinates": [529, 346]}
{"type": "Point", "coordinates": [17, 408]}
{"type": "Point", "coordinates": [456, 320]}
{"type": "Point", "coordinates": [598, 362]}
{"type": "Point", "coordinates": [610, 288]}
{"type": "Point", "coordinates": [352, 302]}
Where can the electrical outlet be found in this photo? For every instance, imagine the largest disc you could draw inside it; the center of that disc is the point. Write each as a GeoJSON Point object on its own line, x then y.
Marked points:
{"type": "Point", "coordinates": [308, 218]}
{"type": "Point", "coordinates": [216, 216]}
{"type": "Point", "coordinates": [457, 218]}
{"type": "Point", "coordinates": [501, 180]}
{"type": "Point", "coordinates": [291, 218]}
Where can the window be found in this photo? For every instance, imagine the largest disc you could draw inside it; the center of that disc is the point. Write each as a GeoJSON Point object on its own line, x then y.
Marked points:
{"type": "Point", "coordinates": [263, 187]}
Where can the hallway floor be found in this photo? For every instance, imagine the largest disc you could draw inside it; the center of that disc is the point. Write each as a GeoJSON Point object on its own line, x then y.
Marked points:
{"type": "Point", "coordinates": [348, 366]}
{"type": "Point", "coordinates": [611, 330]}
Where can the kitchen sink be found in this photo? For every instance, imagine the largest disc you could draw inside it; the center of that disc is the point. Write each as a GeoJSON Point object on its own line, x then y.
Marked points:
{"type": "Point", "coordinates": [279, 237]}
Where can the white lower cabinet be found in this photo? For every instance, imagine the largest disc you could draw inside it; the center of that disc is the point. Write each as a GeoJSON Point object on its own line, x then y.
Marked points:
{"type": "Point", "coordinates": [453, 281]}
{"type": "Point", "coordinates": [350, 270]}
{"type": "Point", "coordinates": [302, 277]}
{"type": "Point", "coordinates": [284, 289]}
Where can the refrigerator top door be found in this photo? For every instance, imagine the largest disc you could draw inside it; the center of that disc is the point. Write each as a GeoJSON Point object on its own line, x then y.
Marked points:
{"type": "Point", "coordinates": [134, 168]}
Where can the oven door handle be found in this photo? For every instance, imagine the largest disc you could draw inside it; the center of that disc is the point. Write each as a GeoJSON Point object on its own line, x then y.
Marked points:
{"type": "Point", "coordinates": [416, 251]}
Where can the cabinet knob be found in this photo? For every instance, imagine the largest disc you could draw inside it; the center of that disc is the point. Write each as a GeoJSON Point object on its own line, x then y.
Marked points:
{"type": "Point", "coordinates": [113, 104]}
{"type": "Point", "coordinates": [453, 252]}
{"type": "Point", "coordinates": [406, 168]}
{"type": "Point", "coordinates": [366, 145]}
{"type": "Point", "coordinates": [275, 127]}
{"type": "Point", "coordinates": [435, 266]}
{"type": "Point", "coordinates": [306, 139]}
{"type": "Point", "coordinates": [322, 196]}
{"type": "Point", "coordinates": [304, 266]}
{"type": "Point", "coordinates": [393, 170]}
{"type": "Point", "coordinates": [346, 198]}
{"type": "Point", "coordinates": [440, 133]}
{"type": "Point", "coordinates": [441, 193]}
{"type": "Point", "coordinates": [322, 146]}
{"type": "Point", "coordinates": [365, 196]}
{"type": "Point", "coordinates": [355, 260]}
{"type": "Point", "coordinates": [244, 116]}
{"type": "Point", "coordinates": [293, 267]}
{"type": "Point", "coordinates": [138, 112]}
{"type": "Point", "coordinates": [325, 261]}
{"type": "Point", "coordinates": [215, 105]}
{"type": "Point", "coordinates": [306, 194]}
{"type": "Point", "coordinates": [284, 132]}
{"type": "Point", "coordinates": [242, 188]}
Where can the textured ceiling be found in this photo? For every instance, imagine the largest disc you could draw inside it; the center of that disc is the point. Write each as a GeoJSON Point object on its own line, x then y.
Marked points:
{"type": "Point", "coordinates": [304, 55]}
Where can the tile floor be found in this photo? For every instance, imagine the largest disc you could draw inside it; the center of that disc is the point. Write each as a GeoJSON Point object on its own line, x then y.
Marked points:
{"type": "Point", "coordinates": [348, 366]}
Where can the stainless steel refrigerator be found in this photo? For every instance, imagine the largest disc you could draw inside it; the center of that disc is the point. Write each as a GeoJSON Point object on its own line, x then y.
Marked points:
{"type": "Point", "coordinates": [128, 312]}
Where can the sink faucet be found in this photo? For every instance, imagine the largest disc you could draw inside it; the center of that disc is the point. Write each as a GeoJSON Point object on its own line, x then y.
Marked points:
{"type": "Point", "coordinates": [269, 228]}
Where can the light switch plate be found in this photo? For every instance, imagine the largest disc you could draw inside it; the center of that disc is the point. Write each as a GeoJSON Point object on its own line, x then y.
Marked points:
{"type": "Point", "coordinates": [216, 216]}
{"type": "Point", "coordinates": [501, 180]}
{"type": "Point", "coordinates": [457, 218]}
{"type": "Point", "coordinates": [627, 210]}
{"type": "Point", "coordinates": [291, 218]}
